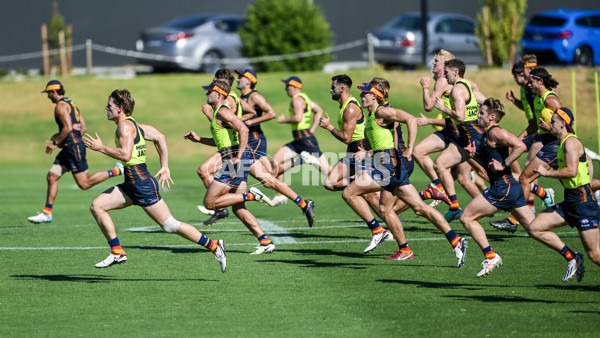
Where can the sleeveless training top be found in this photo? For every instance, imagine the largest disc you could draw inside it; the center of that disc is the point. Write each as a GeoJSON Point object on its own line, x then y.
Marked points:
{"type": "Point", "coordinates": [223, 137]}
{"type": "Point", "coordinates": [75, 134]}
{"type": "Point", "coordinates": [255, 128]}
{"type": "Point", "coordinates": [583, 171]}
{"type": "Point", "coordinates": [471, 106]}
{"type": "Point", "coordinates": [380, 137]}
{"type": "Point", "coordinates": [539, 105]}
{"type": "Point", "coordinates": [307, 117]}
{"type": "Point", "coordinates": [359, 131]}
{"type": "Point", "coordinates": [488, 152]}
{"type": "Point", "coordinates": [138, 153]}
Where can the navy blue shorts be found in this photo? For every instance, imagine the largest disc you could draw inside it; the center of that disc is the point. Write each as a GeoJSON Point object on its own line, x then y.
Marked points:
{"type": "Point", "coordinates": [505, 194]}
{"type": "Point", "coordinates": [258, 144]}
{"type": "Point", "coordinates": [548, 154]}
{"type": "Point", "coordinates": [409, 166]}
{"type": "Point", "coordinates": [531, 139]}
{"type": "Point", "coordinates": [469, 132]}
{"type": "Point", "coordinates": [304, 140]}
{"type": "Point", "coordinates": [349, 160]}
{"type": "Point", "coordinates": [140, 186]}
{"type": "Point", "coordinates": [387, 170]}
{"type": "Point", "coordinates": [72, 157]}
{"type": "Point", "coordinates": [234, 175]}
{"type": "Point", "coordinates": [449, 133]}
{"type": "Point", "coordinates": [583, 215]}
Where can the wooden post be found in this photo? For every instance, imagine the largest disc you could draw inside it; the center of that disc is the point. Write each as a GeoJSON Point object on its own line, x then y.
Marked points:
{"type": "Point", "coordinates": [69, 48]}
{"type": "Point", "coordinates": [513, 40]}
{"type": "Point", "coordinates": [486, 32]}
{"type": "Point", "coordinates": [62, 54]}
{"type": "Point", "coordinates": [45, 57]}
{"type": "Point", "coordinates": [88, 56]}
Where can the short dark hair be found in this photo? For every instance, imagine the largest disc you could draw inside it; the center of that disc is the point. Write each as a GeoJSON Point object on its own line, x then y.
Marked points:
{"type": "Point", "coordinates": [123, 98]}
{"type": "Point", "coordinates": [458, 64]}
{"type": "Point", "coordinates": [343, 79]}
{"type": "Point", "coordinates": [225, 74]}
{"type": "Point", "coordinates": [496, 107]}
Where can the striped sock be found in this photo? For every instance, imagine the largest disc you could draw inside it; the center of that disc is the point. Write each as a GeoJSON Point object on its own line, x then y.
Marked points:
{"type": "Point", "coordinates": [539, 191]}
{"type": "Point", "coordinates": [453, 238]}
{"type": "Point", "coordinates": [114, 172]}
{"type": "Point", "coordinates": [512, 220]}
{"type": "Point", "coordinates": [454, 203]}
{"type": "Point", "coordinates": [115, 246]}
{"type": "Point", "coordinates": [531, 202]}
{"type": "Point", "coordinates": [264, 240]}
{"type": "Point", "coordinates": [207, 243]}
{"type": "Point", "coordinates": [248, 196]}
{"type": "Point", "coordinates": [48, 209]}
{"type": "Point", "coordinates": [567, 253]}
{"type": "Point", "coordinates": [425, 195]}
{"type": "Point", "coordinates": [300, 202]}
{"type": "Point", "coordinates": [438, 184]}
{"type": "Point", "coordinates": [375, 227]}
{"type": "Point", "coordinates": [405, 248]}
{"type": "Point", "coordinates": [489, 253]}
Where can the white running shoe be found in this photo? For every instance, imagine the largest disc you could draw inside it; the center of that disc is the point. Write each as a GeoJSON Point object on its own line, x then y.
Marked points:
{"type": "Point", "coordinates": [376, 240]}
{"type": "Point", "coordinates": [120, 166]}
{"type": "Point", "coordinates": [220, 255]}
{"type": "Point", "coordinates": [205, 211]}
{"type": "Point", "coordinates": [592, 155]}
{"type": "Point", "coordinates": [435, 203]}
{"type": "Point", "coordinates": [489, 264]}
{"type": "Point", "coordinates": [264, 249]}
{"type": "Point", "coordinates": [307, 158]}
{"type": "Point", "coordinates": [260, 197]}
{"type": "Point", "coordinates": [279, 200]}
{"type": "Point", "coordinates": [112, 259]}
{"type": "Point", "coordinates": [461, 252]}
{"type": "Point", "coordinates": [575, 267]}
{"type": "Point", "coordinates": [549, 199]}
{"type": "Point", "coordinates": [597, 195]}
{"type": "Point", "coordinates": [40, 218]}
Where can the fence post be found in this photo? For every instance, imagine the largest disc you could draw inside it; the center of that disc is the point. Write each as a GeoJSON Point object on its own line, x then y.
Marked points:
{"type": "Point", "coordinates": [62, 50]}
{"type": "Point", "coordinates": [45, 56]}
{"type": "Point", "coordinates": [88, 56]}
{"type": "Point", "coordinates": [370, 50]}
{"type": "Point", "coordinates": [69, 48]}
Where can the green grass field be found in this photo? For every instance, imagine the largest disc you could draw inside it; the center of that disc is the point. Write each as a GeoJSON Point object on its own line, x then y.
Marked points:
{"type": "Point", "coordinates": [316, 283]}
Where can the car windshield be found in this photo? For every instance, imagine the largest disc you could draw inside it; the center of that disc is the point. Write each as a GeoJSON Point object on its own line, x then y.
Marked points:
{"type": "Point", "coordinates": [547, 21]}
{"type": "Point", "coordinates": [405, 22]}
{"type": "Point", "coordinates": [186, 23]}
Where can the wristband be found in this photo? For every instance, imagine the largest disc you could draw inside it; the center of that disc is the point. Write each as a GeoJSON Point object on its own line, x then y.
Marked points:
{"type": "Point", "coordinates": [425, 89]}
{"type": "Point", "coordinates": [54, 142]}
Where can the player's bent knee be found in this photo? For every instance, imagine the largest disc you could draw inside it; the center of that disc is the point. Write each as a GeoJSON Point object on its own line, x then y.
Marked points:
{"type": "Point", "coordinates": [171, 225]}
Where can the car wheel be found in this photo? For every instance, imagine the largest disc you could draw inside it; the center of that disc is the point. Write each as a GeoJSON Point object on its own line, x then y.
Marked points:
{"type": "Point", "coordinates": [211, 62]}
{"type": "Point", "coordinates": [584, 56]}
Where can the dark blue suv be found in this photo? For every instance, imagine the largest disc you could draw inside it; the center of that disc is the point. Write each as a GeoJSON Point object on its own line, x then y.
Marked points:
{"type": "Point", "coordinates": [564, 36]}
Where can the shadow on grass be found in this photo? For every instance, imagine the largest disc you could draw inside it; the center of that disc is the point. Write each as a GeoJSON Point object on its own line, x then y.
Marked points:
{"type": "Point", "coordinates": [311, 263]}
{"type": "Point", "coordinates": [101, 279]}
{"type": "Point", "coordinates": [505, 299]}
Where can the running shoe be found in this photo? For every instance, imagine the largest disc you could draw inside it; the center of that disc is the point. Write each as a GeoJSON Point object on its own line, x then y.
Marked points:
{"type": "Point", "coordinates": [121, 167]}
{"type": "Point", "coordinates": [279, 200]}
{"type": "Point", "coordinates": [597, 195]}
{"type": "Point", "coordinates": [219, 214]}
{"type": "Point", "coordinates": [488, 265]}
{"type": "Point", "coordinates": [40, 218]}
{"type": "Point", "coordinates": [573, 268]}
{"type": "Point", "coordinates": [264, 249]}
{"type": "Point", "coordinates": [400, 256]}
{"type": "Point", "coordinates": [310, 212]}
{"type": "Point", "coordinates": [260, 197]}
{"type": "Point", "coordinates": [505, 225]}
{"type": "Point", "coordinates": [549, 199]}
{"type": "Point", "coordinates": [376, 240]}
{"type": "Point", "coordinates": [437, 194]}
{"type": "Point", "coordinates": [112, 259]}
{"type": "Point", "coordinates": [308, 158]}
{"type": "Point", "coordinates": [435, 203]}
{"type": "Point", "coordinates": [220, 255]}
{"type": "Point", "coordinates": [451, 215]}
{"type": "Point", "coordinates": [205, 211]}
{"type": "Point", "coordinates": [461, 252]}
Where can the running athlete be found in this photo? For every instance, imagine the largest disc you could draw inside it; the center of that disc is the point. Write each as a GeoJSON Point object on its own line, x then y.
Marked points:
{"type": "Point", "coordinates": [532, 142]}
{"type": "Point", "coordinates": [230, 136]}
{"type": "Point", "coordinates": [303, 125]}
{"type": "Point", "coordinates": [579, 209]}
{"type": "Point", "coordinates": [464, 101]}
{"type": "Point", "coordinates": [71, 126]}
{"type": "Point", "coordinates": [541, 83]}
{"type": "Point", "coordinates": [387, 172]}
{"type": "Point", "coordinates": [261, 168]}
{"type": "Point", "coordinates": [214, 162]}
{"type": "Point", "coordinates": [139, 187]}
{"type": "Point", "coordinates": [505, 193]}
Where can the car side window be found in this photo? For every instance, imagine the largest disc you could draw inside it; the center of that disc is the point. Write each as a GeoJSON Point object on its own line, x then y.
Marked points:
{"type": "Point", "coordinates": [595, 21]}
{"type": "Point", "coordinates": [465, 27]}
{"type": "Point", "coordinates": [445, 26]}
{"type": "Point", "coordinates": [584, 22]}
{"type": "Point", "coordinates": [228, 26]}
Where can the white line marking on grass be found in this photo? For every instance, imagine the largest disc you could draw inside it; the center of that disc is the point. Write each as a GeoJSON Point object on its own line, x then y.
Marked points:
{"type": "Point", "coordinates": [156, 228]}
{"type": "Point", "coordinates": [282, 235]}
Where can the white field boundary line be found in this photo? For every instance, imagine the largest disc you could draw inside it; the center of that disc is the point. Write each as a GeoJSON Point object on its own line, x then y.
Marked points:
{"type": "Point", "coordinates": [439, 238]}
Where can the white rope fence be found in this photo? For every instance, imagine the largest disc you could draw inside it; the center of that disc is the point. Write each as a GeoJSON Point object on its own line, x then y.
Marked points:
{"type": "Point", "coordinates": [157, 57]}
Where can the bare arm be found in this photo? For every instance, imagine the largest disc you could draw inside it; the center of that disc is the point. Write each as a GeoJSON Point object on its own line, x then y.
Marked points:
{"type": "Point", "coordinates": [298, 106]}
{"type": "Point", "coordinates": [318, 112]}
{"type": "Point", "coordinates": [399, 115]}
{"type": "Point", "coordinates": [247, 111]}
{"type": "Point", "coordinates": [459, 96]}
{"type": "Point", "coordinates": [351, 114]}
{"type": "Point", "coordinates": [192, 136]}
{"type": "Point", "coordinates": [125, 133]}
{"type": "Point", "coordinates": [504, 138]}
{"type": "Point", "coordinates": [268, 112]}
{"type": "Point", "coordinates": [227, 116]}
{"type": "Point", "coordinates": [160, 143]}
{"type": "Point", "coordinates": [438, 90]}
{"type": "Point", "coordinates": [573, 149]}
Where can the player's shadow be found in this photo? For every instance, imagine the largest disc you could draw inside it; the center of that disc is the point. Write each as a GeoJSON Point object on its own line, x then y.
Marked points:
{"type": "Point", "coordinates": [436, 285]}
{"type": "Point", "coordinates": [88, 278]}
{"type": "Point", "coordinates": [325, 252]}
{"type": "Point", "coordinates": [571, 287]}
{"type": "Point", "coordinates": [504, 299]}
{"type": "Point", "coordinates": [310, 263]}
{"type": "Point", "coordinates": [316, 235]}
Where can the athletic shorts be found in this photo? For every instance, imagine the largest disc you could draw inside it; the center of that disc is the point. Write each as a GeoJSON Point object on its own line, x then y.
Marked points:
{"type": "Point", "coordinates": [387, 170]}
{"type": "Point", "coordinates": [258, 144]}
{"type": "Point", "coordinates": [449, 133]}
{"type": "Point", "coordinates": [505, 194]}
{"type": "Point", "coordinates": [234, 175]}
{"type": "Point", "coordinates": [583, 215]}
{"type": "Point", "coordinates": [72, 157]}
{"type": "Point", "coordinates": [531, 139]}
{"type": "Point", "coordinates": [349, 160]}
{"type": "Point", "coordinates": [469, 132]}
{"type": "Point", "coordinates": [548, 153]}
{"type": "Point", "coordinates": [140, 186]}
{"type": "Point", "coordinates": [409, 166]}
{"type": "Point", "coordinates": [304, 140]}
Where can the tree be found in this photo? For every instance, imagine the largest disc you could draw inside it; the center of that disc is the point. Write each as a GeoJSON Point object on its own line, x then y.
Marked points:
{"type": "Point", "coordinates": [55, 26]}
{"type": "Point", "coordinates": [506, 22]}
{"type": "Point", "coordinates": [276, 27]}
